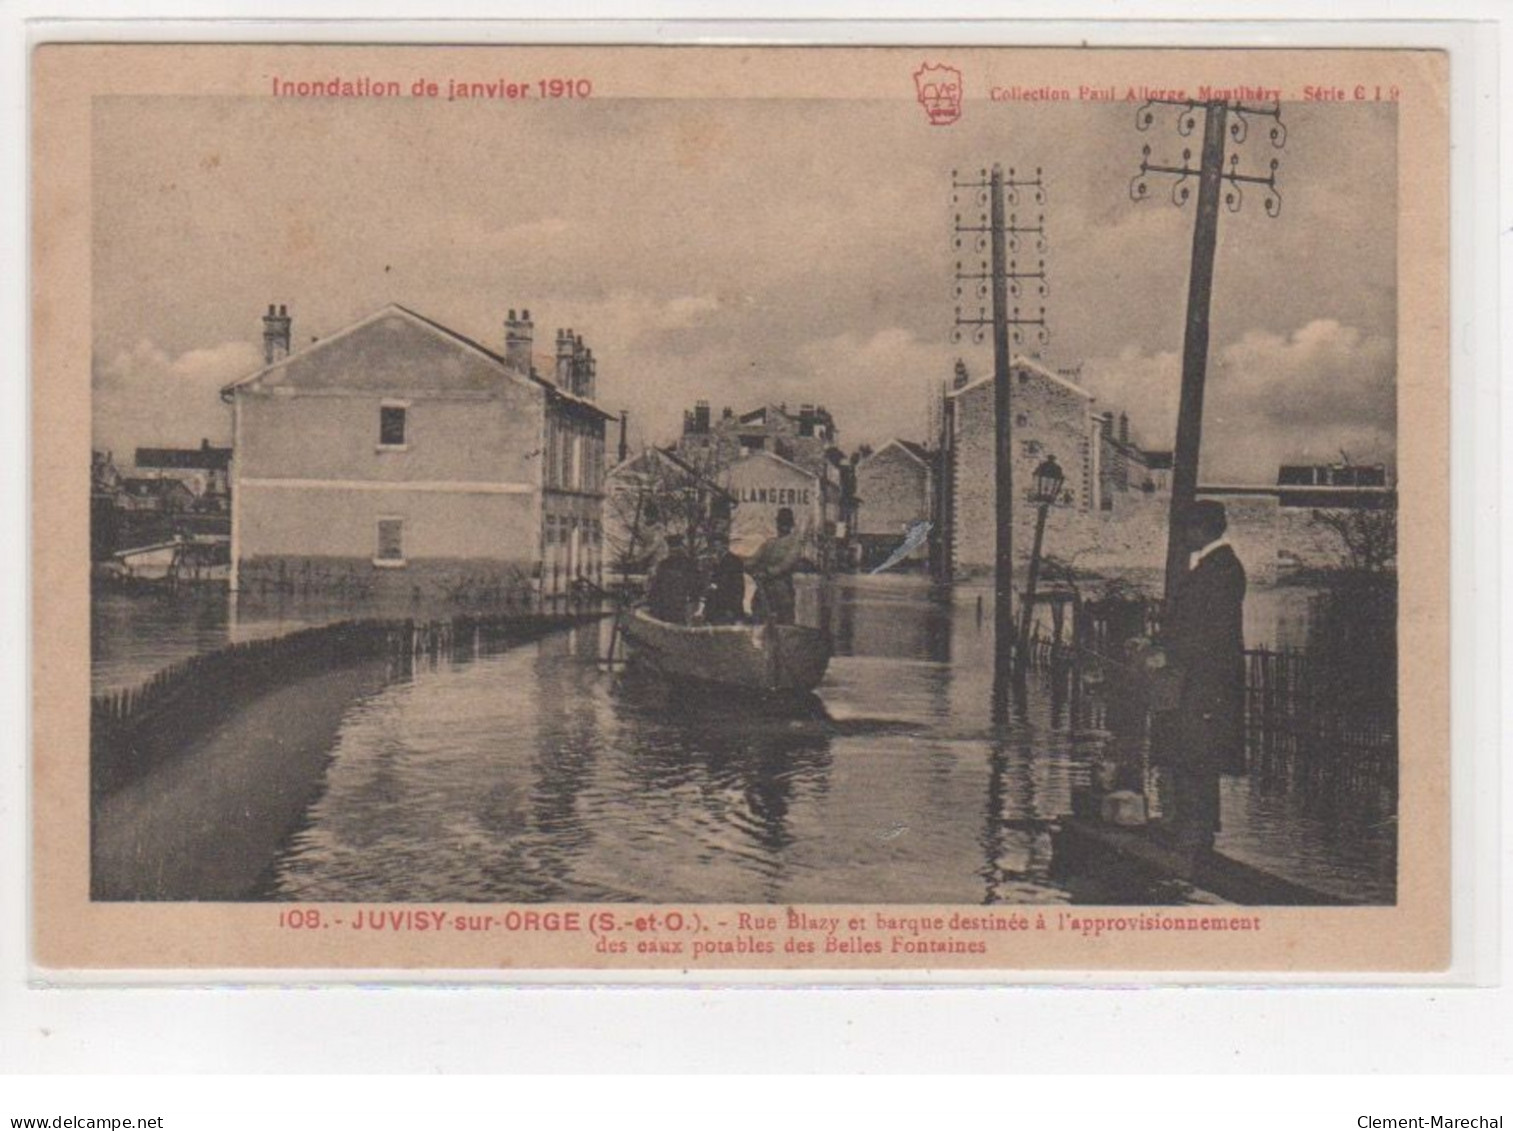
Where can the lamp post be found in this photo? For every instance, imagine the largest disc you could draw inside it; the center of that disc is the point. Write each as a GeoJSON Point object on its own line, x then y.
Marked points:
{"type": "Point", "coordinates": [1047, 489]}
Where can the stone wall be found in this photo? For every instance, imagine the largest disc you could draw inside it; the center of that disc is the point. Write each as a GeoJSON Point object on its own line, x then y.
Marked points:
{"type": "Point", "coordinates": [1271, 540]}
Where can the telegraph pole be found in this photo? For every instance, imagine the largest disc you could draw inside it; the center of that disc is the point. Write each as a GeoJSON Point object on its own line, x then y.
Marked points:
{"type": "Point", "coordinates": [1195, 343]}
{"type": "Point", "coordinates": [998, 233]}
{"type": "Point", "coordinates": [1214, 182]}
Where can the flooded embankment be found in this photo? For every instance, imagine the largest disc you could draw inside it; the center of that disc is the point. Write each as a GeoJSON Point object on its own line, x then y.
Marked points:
{"type": "Point", "coordinates": [208, 824]}
{"type": "Point", "coordinates": [202, 775]}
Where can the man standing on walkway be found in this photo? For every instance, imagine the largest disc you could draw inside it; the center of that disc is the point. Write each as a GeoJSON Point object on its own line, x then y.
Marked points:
{"type": "Point", "coordinates": [1205, 644]}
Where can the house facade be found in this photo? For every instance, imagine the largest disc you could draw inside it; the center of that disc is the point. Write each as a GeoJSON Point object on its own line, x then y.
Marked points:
{"type": "Point", "coordinates": [895, 488]}
{"type": "Point", "coordinates": [763, 483]}
{"type": "Point", "coordinates": [805, 439]}
{"type": "Point", "coordinates": [400, 459]}
{"type": "Point", "coordinates": [1053, 416]}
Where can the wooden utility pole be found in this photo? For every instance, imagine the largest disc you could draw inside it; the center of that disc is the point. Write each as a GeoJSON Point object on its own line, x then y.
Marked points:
{"type": "Point", "coordinates": [1195, 344]}
{"type": "Point", "coordinates": [999, 233]}
{"type": "Point", "coordinates": [1003, 438]}
{"type": "Point", "coordinates": [1222, 121]}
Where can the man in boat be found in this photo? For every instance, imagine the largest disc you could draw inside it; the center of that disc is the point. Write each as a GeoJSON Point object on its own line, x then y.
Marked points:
{"type": "Point", "coordinates": [773, 566]}
{"type": "Point", "coordinates": [725, 599]}
{"type": "Point", "coordinates": [1204, 643]}
{"type": "Point", "coordinates": [674, 584]}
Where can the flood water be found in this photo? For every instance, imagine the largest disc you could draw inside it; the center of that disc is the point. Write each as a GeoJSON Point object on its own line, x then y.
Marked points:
{"type": "Point", "coordinates": [541, 773]}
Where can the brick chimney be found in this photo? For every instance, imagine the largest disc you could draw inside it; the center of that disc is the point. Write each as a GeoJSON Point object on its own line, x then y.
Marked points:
{"type": "Point", "coordinates": [519, 335]}
{"type": "Point", "coordinates": [701, 417]}
{"type": "Point", "coordinates": [567, 348]}
{"type": "Point", "coordinates": [1124, 428]}
{"type": "Point", "coordinates": [624, 442]}
{"type": "Point", "coordinates": [277, 326]}
{"type": "Point", "coordinates": [587, 373]}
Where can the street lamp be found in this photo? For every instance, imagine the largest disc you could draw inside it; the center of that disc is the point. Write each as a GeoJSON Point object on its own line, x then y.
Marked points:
{"type": "Point", "coordinates": [1047, 489]}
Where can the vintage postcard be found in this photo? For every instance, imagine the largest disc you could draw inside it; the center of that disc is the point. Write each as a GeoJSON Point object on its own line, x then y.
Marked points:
{"type": "Point", "coordinates": [950, 511]}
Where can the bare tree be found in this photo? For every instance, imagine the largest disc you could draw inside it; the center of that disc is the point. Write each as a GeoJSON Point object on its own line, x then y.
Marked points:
{"type": "Point", "coordinates": [658, 494]}
{"type": "Point", "coordinates": [1368, 536]}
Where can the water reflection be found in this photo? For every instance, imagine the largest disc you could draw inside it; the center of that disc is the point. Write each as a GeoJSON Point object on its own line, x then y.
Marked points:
{"type": "Point", "coordinates": [538, 773]}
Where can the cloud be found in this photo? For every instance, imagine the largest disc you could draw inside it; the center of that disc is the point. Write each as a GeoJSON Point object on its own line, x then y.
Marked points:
{"type": "Point", "coordinates": [877, 386]}
{"type": "Point", "coordinates": [145, 397]}
{"type": "Point", "coordinates": [1303, 397]}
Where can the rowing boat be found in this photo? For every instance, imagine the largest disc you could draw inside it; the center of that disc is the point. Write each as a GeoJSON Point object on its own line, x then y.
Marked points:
{"type": "Point", "coordinates": [766, 658]}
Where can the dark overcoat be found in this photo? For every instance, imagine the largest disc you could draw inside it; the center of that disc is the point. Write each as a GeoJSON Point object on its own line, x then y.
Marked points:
{"type": "Point", "coordinates": [725, 601]}
{"type": "Point", "coordinates": [674, 587]}
{"type": "Point", "coordinates": [1205, 641]}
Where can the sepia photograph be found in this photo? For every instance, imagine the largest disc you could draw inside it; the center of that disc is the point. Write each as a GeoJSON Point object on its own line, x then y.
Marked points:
{"type": "Point", "coordinates": [509, 499]}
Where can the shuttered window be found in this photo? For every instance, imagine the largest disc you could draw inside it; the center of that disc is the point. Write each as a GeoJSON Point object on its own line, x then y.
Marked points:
{"type": "Point", "coordinates": [391, 541]}
{"type": "Point", "coordinates": [391, 426]}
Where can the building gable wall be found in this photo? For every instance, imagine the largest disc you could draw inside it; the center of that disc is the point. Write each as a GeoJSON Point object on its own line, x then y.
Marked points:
{"type": "Point", "coordinates": [1050, 418]}
{"type": "Point", "coordinates": [315, 477]}
{"type": "Point", "coordinates": [894, 489]}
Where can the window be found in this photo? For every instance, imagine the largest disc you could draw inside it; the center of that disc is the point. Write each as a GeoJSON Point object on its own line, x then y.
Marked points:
{"type": "Point", "coordinates": [1031, 447]}
{"type": "Point", "coordinates": [391, 426]}
{"type": "Point", "coordinates": [391, 542]}
{"type": "Point", "coordinates": [1022, 420]}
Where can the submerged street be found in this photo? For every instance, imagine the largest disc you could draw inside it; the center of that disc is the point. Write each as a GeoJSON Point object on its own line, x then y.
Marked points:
{"type": "Point", "coordinates": [540, 773]}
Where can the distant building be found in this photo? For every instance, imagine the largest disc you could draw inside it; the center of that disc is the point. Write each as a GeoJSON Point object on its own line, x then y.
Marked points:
{"type": "Point", "coordinates": [104, 494]}
{"type": "Point", "coordinates": [206, 467]}
{"type": "Point", "coordinates": [1335, 486]}
{"type": "Point", "coordinates": [399, 457]}
{"type": "Point", "coordinates": [1113, 516]}
{"type": "Point", "coordinates": [104, 476]}
{"type": "Point", "coordinates": [805, 439]}
{"type": "Point", "coordinates": [763, 483]}
{"type": "Point", "coordinates": [1053, 416]}
{"type": "Point", "coordinates": [1158, 465]}
{"type": "Point", "coordinates": [1122, 466]}
{"type": "Point", "coordinates": [1332, 475]}
{"type": "Point", "coordinates": [895, 488]}
{"type": "Point", "coordinates": [162, 495]}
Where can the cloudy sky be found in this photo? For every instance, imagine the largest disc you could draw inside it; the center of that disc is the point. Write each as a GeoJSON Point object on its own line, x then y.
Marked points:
{"type": "Point", "coordinates": [740, 251]}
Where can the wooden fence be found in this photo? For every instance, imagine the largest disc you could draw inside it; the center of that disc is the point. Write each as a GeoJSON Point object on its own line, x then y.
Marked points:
{"type": "Point", "coordinates": [1295, 730]}
{"type": "Point", "coordinates": [134, 729]}
{"type": "Point", "coordinates": [1300, 725]}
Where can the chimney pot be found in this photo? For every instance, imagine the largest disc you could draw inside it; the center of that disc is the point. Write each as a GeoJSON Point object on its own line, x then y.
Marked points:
{"type": "Point", "coordinates": [276, 334]}
{"type": "Point", "coordinates": [565, 374]}
{"type": "Point", "coordinates": [519, 337]}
